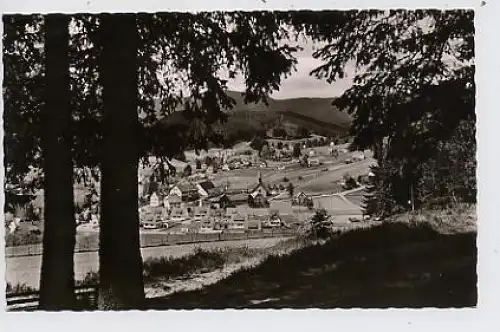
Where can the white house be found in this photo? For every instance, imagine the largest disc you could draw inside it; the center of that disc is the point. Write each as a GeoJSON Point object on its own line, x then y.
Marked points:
{"type": "Point", "coordinates": [154, 200]}
{"type": "Point", "coordinates": [201, 213]}
{"type": "Point", "coordinates": [172, 201]}
{"type": "Point", "coordinates": [274, 220]}
{"type": "Point", "coordinates": [230, 212]}
{"type": "Point", "coordinates": [207, 226]}
{"type": "Point", "coordinates": [179, 215]}
{"type": "Point", "coordinates": [238, 221]}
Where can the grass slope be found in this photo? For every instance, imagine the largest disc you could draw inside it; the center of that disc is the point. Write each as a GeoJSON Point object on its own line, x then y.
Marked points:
{"type": "Point", "coordinates": [391, 265]}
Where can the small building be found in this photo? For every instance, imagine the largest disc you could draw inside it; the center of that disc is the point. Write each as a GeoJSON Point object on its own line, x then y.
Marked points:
{"type": "Point", "coordinates": [205, 188]}
{"type": "Point", "coordinates": [301, 199]}
{"type": "Point", "coordinates": [186, 190]}
{"type": "Point", "coordinates": [254, 224]}
{"type": "Point", "coordinates": [151, 220]}
{"type": "Point", "coordinates": [237, 199]}
{"type": "Point", "coordinates": [313, 162]}
{"type": "Point", "coordinates": [273, 221]}
{"type": "Point", "coordinates": [260, 188]}
{"type": "Point", "coordinates": [230, 212]}
{"type": "Point", "coordinates": [155, 199]}
{"type": "Point", "coordinates": [201, 213]}
{"type": "Point", "coordinates": [274, 189]}
{"type": "Point", "coordinates": [179, 215]}
{"type": "Point", "coordinates": [206, 226]}
{"type": "Point", "coordinates": [237, 222]}
{"type": "Point", "coordinates": [260, 201]}
{"type": "Point", "coordinates": [172, 201]}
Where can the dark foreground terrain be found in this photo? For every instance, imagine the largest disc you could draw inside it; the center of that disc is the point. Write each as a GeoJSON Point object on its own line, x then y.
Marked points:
{"type": "Point", "coordinates": [392, 265]}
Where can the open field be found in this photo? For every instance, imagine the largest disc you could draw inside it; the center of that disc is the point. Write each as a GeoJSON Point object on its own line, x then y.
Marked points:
{"type": "Point", "coordinates": [327, 182]}
{"type": "Point", "coordinates": [356, 198]}
{"type": "Point", "coordinates": [335, 205]}
{"type": "Point", "coordinates": [240, 178]}
{"type": "Point", "coordinates": [313, 180]}
{"type": "Point", "coordinates": [391, 265]}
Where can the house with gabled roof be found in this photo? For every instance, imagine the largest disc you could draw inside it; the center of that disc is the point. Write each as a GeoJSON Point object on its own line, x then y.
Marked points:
{"type": "Point", "coordinates": [205, 188]}
{"type": "Point", "coordinates": [186, 190]}
{"type": "Point", "coordinates": [172, 201]}
{"type": "Point", "coordinates": [156, 199]}
{"type": "Point", "coordinates": [261, 188]}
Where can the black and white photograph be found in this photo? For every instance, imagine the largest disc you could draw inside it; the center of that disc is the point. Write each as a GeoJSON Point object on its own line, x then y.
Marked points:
{"type": "Point", "coordinates": [239, 159]}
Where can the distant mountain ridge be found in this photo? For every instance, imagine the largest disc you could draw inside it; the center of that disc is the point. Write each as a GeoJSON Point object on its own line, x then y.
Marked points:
{"type": "Point", "coordinates": [245, 120]}
{"type": "Point", "coordinates": [315, 114]}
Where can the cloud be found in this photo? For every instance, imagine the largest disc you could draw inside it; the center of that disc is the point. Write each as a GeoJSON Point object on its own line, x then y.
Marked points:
{"type": "Point", "coordinates": [300, 83]}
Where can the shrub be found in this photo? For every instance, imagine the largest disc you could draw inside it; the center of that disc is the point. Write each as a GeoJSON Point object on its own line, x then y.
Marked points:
{"type": "Point", "coordinates": [18, 288]}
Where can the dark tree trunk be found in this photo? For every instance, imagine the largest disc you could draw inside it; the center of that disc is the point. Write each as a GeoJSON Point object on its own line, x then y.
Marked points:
{"type": "Point", "coordinates": [121, 281]}
{"type": "Point", "coordinates": [57, 274]}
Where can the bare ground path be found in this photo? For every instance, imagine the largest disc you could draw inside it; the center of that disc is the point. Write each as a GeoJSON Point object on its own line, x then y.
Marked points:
{"type": "Point", "coordinates": [26, 269]}
{"type": "Point", "coordinates": [387, 266]}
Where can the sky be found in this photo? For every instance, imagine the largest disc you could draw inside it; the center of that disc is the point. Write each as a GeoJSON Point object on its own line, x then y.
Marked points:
{"type": "Point", "coordinates": [300, 83]}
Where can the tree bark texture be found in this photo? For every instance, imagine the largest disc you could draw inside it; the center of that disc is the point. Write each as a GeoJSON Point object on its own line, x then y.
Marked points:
{"type": "Point", "coordinates": [57, 273]}
{"type": "Point", "coordinates": [121, 281]}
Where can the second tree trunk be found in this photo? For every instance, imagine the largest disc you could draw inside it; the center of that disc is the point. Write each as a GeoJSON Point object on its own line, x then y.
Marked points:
{"type": "Point", "coordinates": [121, 281]}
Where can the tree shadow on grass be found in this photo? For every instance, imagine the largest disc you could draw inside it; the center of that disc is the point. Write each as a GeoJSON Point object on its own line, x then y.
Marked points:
{"type": "Point", "coordinates": [392, 265]}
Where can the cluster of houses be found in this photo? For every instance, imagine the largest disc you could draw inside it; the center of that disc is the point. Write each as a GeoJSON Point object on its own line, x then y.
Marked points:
{"type": "Point", "coordinates": [202, 207]}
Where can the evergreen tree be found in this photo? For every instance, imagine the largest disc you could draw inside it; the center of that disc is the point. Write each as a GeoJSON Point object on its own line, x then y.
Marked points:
{"type": "Point", "coordinates": [250, 201]}
{"type": "Point", "coordinates": [290, 189]}
{"type": "Point", "coordinates": [296, 153]}
{"type": "Point", "coordinates": [370, 199]}
{"type": "Point", "coordinates": [416, 87]}
{"type": "Point", "coordinates": [319, 228]}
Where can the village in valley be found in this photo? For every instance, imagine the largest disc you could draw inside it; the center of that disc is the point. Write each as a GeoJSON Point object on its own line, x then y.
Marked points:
{"type": "Point", "coordinates": [276, 188]}
{"type": "Point", "coordinates": [236, 190]}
